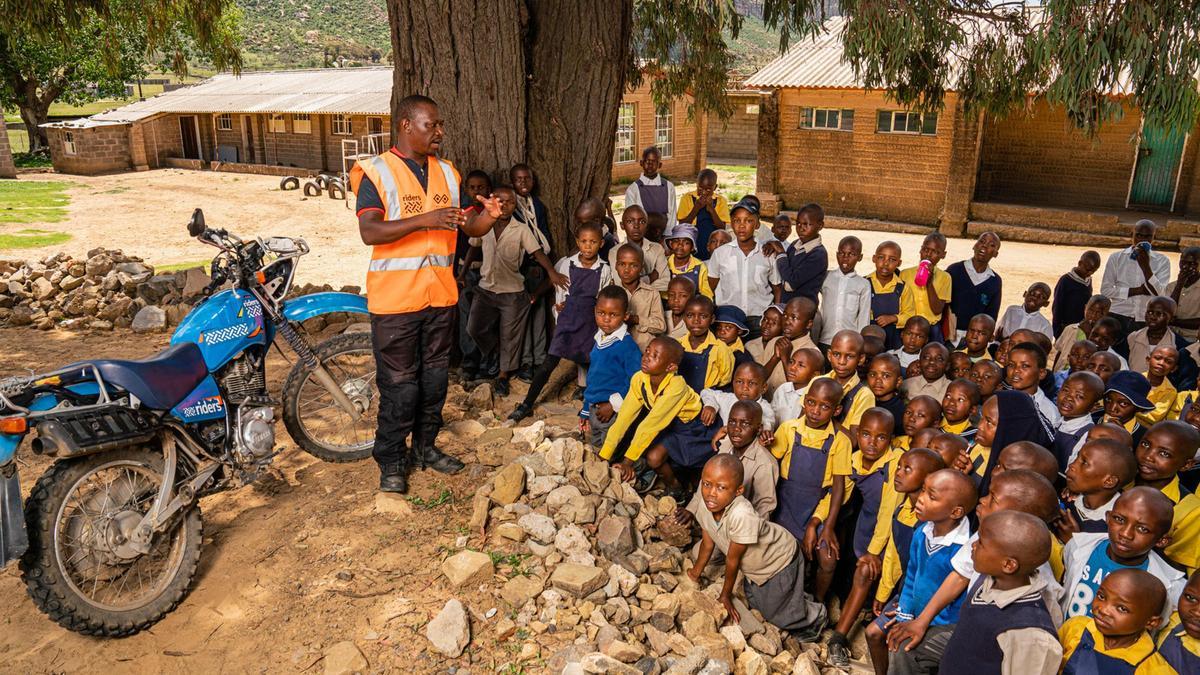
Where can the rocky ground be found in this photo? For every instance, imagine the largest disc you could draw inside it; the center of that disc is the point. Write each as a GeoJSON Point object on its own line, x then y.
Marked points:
{"type": "Point", "coordinates": [533, 559]}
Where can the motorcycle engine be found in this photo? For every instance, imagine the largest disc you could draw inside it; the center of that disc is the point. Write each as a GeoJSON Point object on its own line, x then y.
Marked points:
{"type": "Point", "coordinates": [243, 378]}
{"type": "Point", "coordinates": [255, 437]}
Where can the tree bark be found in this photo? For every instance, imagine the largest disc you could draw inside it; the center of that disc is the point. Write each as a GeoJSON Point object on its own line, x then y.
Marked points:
{"type": "Point", "coordinates": [535, 81]}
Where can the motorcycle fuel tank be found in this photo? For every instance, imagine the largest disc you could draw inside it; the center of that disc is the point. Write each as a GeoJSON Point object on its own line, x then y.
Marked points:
{"type": "Point", "coordinates": [223, 326]}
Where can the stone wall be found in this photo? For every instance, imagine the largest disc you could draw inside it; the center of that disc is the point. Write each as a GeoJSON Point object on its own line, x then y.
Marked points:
{"type": "Point", "coordinates": [736, 137]}
{"type": "Point", "coordinates": [7, 168]}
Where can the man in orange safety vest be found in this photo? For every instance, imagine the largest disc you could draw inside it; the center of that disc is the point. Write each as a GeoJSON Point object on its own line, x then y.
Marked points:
{"type": "Point", "coordinates": [409, 212]}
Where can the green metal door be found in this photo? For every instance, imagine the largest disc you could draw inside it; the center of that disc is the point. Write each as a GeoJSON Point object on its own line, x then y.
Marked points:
{"type": "Point", "coordinates": [1157, 166]}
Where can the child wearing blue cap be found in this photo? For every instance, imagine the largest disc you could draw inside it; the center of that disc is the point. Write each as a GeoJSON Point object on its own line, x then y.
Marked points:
{"type": "Point", "coordinates": [1127, 395]}
{"type": "Point", "coordinates": [730, 328]}
{"type": "Point", "coordinates": [681, 240]}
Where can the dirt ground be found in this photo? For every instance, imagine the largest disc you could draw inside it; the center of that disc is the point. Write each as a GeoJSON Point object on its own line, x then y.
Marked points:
{"type": "Point", "coordinates": [146, 214]}
{"type": "Point", "coordinates": [291, 565]}
{"type": "Point", "coordinates": [298, 561]}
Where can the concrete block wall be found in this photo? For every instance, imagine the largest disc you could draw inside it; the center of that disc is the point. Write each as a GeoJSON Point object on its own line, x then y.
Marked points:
{"type": "Point", "coordinates": [100, 149]}
{"type": "Point", "coordinates": [860, 173]}
{"type": "Point", "coordinates": [736, 137]}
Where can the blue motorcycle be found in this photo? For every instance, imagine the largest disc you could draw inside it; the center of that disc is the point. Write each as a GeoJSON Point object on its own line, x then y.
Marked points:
{"type": "Point", "coordinates": [110, 537]}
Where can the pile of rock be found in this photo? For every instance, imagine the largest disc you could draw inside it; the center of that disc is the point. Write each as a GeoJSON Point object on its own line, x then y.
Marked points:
{"type": "Point", "coordinates": [105, 290]}
{"type": "Point", "coordinates": [599, 565]}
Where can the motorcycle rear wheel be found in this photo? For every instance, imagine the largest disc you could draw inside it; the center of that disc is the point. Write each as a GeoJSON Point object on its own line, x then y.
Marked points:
{"type": "Point", "coordinates": [317, 424]}
{"type": "Point", "coordinates": [76, 570]}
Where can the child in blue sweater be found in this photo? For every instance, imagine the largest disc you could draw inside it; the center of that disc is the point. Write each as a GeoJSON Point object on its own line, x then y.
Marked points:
{"type": "Point", "coordinates": [941, 509]}
{"type": "Point", "coordinates": [614, 358]}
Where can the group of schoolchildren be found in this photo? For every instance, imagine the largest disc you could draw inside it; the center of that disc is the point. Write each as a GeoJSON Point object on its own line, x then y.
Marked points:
{"type": "Point", "coordinates": [997, 492]}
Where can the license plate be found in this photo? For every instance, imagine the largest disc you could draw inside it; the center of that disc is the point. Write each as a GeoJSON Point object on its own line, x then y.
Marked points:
{"type": "Point", "coordinates": [13, 538]}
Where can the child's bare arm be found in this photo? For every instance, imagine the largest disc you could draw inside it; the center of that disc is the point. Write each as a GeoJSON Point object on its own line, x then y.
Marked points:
{"type": "Point", "coordinates": [560, 280]}
{"type": "Point", "coordinates": [935, 303]}
{"type": "Point", "coordinates": [733, 563]}
{"type": "Point", "coordinates": [702, 556]}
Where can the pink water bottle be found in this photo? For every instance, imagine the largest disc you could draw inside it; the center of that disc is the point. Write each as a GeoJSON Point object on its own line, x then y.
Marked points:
{"type": "Point", "coordinates": [923, 272]}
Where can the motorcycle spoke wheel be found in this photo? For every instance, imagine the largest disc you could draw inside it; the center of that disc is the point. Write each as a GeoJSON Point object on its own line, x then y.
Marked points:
{"type": "Point", "coordinates": [315, 420]}
{"type": "Point", "coordinates": [99, 512]}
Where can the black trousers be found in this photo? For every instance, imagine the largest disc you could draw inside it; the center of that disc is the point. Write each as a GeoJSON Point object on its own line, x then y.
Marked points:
{"type": "Point", "coordinates": [412, 359]}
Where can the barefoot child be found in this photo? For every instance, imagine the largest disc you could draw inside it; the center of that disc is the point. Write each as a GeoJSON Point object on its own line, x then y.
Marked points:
{"type": "Point", "coordinates": [616, 358]}
{"type": "Point", "coordinates": [660, 417]}
{"type": "Point", "coordinates": [753, 546]}
{"type": "Point", "coordinates": [1117, 638]}
{"type": "Point", "coordinates": [814, 456]}
{"type": "Point", "coordinates": [886, 289]}
{"type": "Point", "coordinates": [707, 362]}
{"type": "Point", "coordinates": [1094, 481]}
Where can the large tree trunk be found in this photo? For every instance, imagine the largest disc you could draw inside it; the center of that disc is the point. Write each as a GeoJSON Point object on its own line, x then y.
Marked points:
{"type": "Point", "coordinates": [535, 81]}
{"type": "Point", "coordinates": [34, 114]}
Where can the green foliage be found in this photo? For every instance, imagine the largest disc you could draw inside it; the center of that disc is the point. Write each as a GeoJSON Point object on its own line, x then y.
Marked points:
{"type": "Point", "coordinates": [443, 497]}
{"type": "Point", "coordinates": [515, 561]}
{"type": "Point", "coordinates": [285, 34]}
{"type": "Point", "coordinates": [31, 160]}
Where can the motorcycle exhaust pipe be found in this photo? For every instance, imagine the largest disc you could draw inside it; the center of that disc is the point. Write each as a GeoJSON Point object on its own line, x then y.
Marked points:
{"type": "Point", "coordinates": [55, 440]}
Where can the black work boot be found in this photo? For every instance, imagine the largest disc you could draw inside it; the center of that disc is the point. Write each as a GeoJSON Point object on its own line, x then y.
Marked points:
{"type": "Point", "coordinates": [393, 478]}
{"type": "Point", "coordinates": [429, 456]}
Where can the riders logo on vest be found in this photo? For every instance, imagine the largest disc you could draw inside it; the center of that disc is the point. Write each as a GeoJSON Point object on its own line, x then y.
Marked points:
{"type": "Point", "coordinates": [413, 204]}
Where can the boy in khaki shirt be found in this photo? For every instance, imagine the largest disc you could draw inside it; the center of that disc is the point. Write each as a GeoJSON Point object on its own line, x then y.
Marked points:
{"type": "Point", "coordinates": [646, 320]}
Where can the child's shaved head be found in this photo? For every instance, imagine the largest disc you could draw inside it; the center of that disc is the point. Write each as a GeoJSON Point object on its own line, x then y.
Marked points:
{"type": "Point", "coordinates": [1113, 458]}
{"type": "Point", "coordinates": [1139, 588]}
{"type": "Point", "coordinates": [726, 463]}
{"type": "Point", "coordinates": [948, 446]}
{"type": "Point", "coordinates": [962, 489]}
{"type": "Point", "coordinates": [1028, 455]}
{"type": "Point", "coordinates": [1157, 505]}
{"type": "Point", "coordinates": [826, 386]}
{"type": "Point", "coordinates": [672, 348]}
{"type": "Point", "coordinates": [924, 437]}
{"type": "Point", "coordinates": [848, 339]}
{"type": "Point", "coordinates": [1112, 432]}
{"type": "Point", "coordinates": [1021, 535]}
{"type": "Point", "coordinates": [925, 458]}
{"type": "Point", "coordinates": [1025, 491]}
{"type": "Point", "coordinates": [880, 416]}
{"type": "Point", "coordinates": [752, 367]}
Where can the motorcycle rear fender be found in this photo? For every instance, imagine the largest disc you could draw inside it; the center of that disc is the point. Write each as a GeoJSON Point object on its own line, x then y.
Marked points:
{"type": "Point", "coordinates": [315, 304]}
{"type": "Point", "coordinates": [13, 537]}
{"type": "Point", "coordinates": [45, 401]}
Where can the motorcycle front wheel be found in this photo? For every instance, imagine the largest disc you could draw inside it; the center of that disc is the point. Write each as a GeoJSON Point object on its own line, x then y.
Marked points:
{"type": "Point", "coordinates": [314, 419]}
{"type": "Point", "coordinates": [79, 568]}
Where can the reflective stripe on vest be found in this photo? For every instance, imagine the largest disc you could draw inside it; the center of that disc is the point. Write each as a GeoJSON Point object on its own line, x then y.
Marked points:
{"type": "Point", "coordinates": [415, 271]}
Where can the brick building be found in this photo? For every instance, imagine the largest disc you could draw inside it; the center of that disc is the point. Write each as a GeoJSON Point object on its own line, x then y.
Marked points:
{"type": "Point", "coordinates": [306, 121]}
{"type": "Point", "coordinates": [736, 139]}
{"type": "Point", "coordinates": [7, 168]}
{"type": "Point", "coordinates": [823, 137]}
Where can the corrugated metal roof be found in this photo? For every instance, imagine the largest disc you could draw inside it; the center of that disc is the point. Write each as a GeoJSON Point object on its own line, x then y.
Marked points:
{"type": "Point", "coordinates": [363, 91]}
{"type": "Point", "coordinates": [815, 63]}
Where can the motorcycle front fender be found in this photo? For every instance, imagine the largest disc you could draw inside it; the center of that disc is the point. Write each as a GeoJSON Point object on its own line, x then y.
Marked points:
{"type": "Point", "coordinates": [315, 304]}
{"type": "Point", "coordinates": [13, 537]}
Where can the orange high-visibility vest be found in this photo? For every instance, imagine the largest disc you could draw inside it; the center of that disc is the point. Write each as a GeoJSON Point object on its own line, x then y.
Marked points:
{"type": "Point", "coordinates": [415, 271]}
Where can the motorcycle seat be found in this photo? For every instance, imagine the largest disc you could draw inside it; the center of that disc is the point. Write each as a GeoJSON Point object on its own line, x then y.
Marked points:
{"type": "Point", "coordinates": [161, 381]}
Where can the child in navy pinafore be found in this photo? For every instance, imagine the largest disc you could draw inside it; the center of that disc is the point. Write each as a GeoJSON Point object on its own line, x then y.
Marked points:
{"type": "Point", "coordinates": [575, 329]}
{"type": "Point", "coordinates": [886, 289]}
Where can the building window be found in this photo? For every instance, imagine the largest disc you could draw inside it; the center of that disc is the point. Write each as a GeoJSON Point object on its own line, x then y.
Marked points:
{"type": "Point", "coordinates": [836, 119]}
{"type": "Point", "coordinates": [341, 125]}
{"type": "Point", "coordinates": [225, 122]}
{"type": "Point", "coordinates": [302, 124]}
{"type": "Point", "coordinates": [626, 132]}
{"type": "Point", "coordinates": [277, 125]}
{"type": "Point", "coordinates": [664, 132]}
{"type": "Point", "coordinates": [751, 108]}
{"type": "Point", "coordinates": [68, 143]}
{"type": "Point", "coordinates": [906, 122]}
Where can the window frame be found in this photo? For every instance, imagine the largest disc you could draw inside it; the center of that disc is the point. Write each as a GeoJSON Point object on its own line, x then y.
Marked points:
{"type": "Point", "coordinates": [297, 118]}
{"type": "Point", "coordinates": [225, 122]}
{"type": "Point", "coordinates": [335, 121]}
{"type": "Point", "coordinates": [69, 147]}
{"type": "Point", "coordinates": [809, 114]}
{"type": "Point", "coordinates": [276, 123]}
{"type": "Point", "coordinates": [626, 134]}
{"type": "Point", "coordinates": [926, 122]}
{"type": "Point", "coordinates": [666, 148]}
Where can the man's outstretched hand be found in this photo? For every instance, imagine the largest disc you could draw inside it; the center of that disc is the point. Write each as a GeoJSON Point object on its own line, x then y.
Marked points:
{"type": "Point", "coordinates": [490, 204]}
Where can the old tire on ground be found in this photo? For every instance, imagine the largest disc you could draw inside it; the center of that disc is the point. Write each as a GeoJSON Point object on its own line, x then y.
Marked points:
{"type": "Point", "coordinates": [307, 407]}
{"type": "Point", "coordinates": [289, 183]}
{"type": "Point", "coordinates": [322, 181]}
{"type": "Point", "coordinates": [53, 578]}
{"type": "Point", "coordinates": [336, 189]}
{"type": "Point", "coordinates": [311, 189]}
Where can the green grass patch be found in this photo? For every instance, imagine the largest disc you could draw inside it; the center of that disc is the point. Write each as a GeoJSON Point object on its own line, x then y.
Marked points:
{"type": "Point", "coordinates": [444, 497]}
{"type": "Point", "coordinates": [176, 267]}
{"type": "Point", "coordinates": [29, 238]}
{"type": "Point", "coordinates": [33, 201]}
{"type": "Point", "coordinates": [31, 160]}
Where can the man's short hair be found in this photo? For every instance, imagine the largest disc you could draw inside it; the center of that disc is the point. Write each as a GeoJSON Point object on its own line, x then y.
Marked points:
{"type": "Point", "coordinates": [409, 104]}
